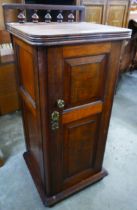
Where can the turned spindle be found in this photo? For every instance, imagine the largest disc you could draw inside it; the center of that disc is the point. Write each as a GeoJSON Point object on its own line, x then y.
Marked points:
{"type": "Point", "coordinates": [71, 17]}
{"type": "Point", "coordinates": [21, 17]}
{"type": "Point", "coordinates": [60, 17]}
{"type": "Point", "coordinates": [35, 17]}
{"type": "Point", "coordinates": [48, 17]}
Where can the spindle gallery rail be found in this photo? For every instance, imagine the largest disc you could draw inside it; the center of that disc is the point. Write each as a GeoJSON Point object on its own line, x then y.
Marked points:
{"type": "Point", "coordinates": [22, 8]}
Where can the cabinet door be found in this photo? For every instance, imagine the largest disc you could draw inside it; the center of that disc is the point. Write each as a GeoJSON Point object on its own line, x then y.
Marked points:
{"type": "Point", "coordinates": [94, 11]}
{"type": "Point", "coordinates": [117, 13]}
{"type": "Point", "coordinates": [83, 77]}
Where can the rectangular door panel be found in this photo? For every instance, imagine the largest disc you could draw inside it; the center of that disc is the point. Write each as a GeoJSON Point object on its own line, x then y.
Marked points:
{"type": "Point", "coordinates": [80, 140]}
{"type": "Point", "coordinates": [84, 79]}
{"type": "Point", "coordinates": [116, 15]}
{"type": "Point", "coordinates": [94, 13]}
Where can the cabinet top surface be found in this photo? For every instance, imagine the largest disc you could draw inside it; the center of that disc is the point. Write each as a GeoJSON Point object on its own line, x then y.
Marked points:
{"type": "Point", "coordinates": [65, 33]}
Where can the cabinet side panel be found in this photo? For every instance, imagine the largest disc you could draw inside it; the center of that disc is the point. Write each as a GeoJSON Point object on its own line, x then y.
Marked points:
{"type": "Point", "coordinates": [29, 94]}
{"type": "Point", "coordinates": [31, 127]}
{"type": "Point", "coordinates": [27, 72]}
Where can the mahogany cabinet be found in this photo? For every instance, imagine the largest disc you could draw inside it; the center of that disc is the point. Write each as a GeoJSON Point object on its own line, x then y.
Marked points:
{"type": "Point", "coordinates": [95, 10]}
{"type": "Point", "coordinates": [129, 52]}
{"type": "Point", "coordinates": [66, 80]}
{"type": "Point", "coordinates": [117, 12]}
{"type": "Point", "coordinates": [11, 14]}
{"type": "Point", "coordinates": [9, 101]}
{"type": "Point", "coordinates": [108, 12]}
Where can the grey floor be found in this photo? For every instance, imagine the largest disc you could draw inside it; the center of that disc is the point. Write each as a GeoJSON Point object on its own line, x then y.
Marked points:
{"type": "Point", "coordinates": [118, 191]}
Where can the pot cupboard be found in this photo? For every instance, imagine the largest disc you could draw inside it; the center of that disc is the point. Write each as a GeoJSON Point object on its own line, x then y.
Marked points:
{"type": "Point", "coordinates": [67, 74]}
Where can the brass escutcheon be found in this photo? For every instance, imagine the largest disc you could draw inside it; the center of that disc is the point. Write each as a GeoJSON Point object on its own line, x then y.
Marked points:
{"type": "Point", "coordinates": [60, 103]}
{"type": "Point", "coordinates": [55, 120]}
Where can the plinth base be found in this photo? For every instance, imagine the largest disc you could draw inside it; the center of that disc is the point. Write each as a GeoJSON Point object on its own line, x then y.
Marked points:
{"type": "Point", "coordinates": [50, 201]}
